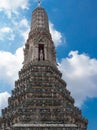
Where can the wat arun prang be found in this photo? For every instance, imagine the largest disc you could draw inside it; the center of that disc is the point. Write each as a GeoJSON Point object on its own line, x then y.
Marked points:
{"type": "Point", "coordinates": [40, 99]}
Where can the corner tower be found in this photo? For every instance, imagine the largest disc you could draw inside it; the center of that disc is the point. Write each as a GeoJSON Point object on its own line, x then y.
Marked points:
{"type": "Point", "coordinates": [40, 99]}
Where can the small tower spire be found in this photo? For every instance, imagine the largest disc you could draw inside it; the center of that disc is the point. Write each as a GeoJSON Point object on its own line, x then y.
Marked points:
{"type": "Point", "coordinates": [39, 3]}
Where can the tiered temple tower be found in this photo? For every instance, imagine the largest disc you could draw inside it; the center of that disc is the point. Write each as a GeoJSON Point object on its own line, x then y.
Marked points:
{"type": "Point", "coordinates": [40, 99]}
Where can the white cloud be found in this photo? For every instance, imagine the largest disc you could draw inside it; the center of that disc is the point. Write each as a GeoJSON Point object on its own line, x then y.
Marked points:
{"type": "Point", "coordinates": [23, 28]}
{"type": "Point", "coordinates": [5, 30]}
{"type": "Point", "coordinates": [24, 23]}
{"type": "Point", "coordinates": [3, 100]}
{"type": "Point", "coordinates": [56, 35]}
{"type": "Point", "coordinates": [10, 64]}
{"type": "Point", "coordinates": [10, 6]}
{"type": "Point", "coordinates": [6, 33]}
{"type": "Point", "coordinates": [80, 73]}
{"type": "Point", "coordinates": [20, 29]}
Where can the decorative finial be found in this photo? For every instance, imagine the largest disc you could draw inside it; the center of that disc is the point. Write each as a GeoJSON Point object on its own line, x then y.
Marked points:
{"type": "Point", "coordinates": [38, 3]}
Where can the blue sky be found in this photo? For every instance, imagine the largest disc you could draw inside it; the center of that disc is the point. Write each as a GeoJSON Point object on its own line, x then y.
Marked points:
{"type": "Point", "coordinates": [73, 25]}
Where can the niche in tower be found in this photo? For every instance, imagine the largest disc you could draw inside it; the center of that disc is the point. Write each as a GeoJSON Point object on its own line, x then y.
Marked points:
{"type": "Point", "coordinates": [41, 52]}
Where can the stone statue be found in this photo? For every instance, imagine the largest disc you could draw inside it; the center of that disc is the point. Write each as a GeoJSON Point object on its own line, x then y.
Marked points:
{"type": "Point", "coordinates": [41, 54]}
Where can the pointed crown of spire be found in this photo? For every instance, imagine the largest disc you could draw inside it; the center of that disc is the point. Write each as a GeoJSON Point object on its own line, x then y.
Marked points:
{"type": "Point", "coordinates": [39, 18]}
{"type": "Point", "coordinates": [39, 3]}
